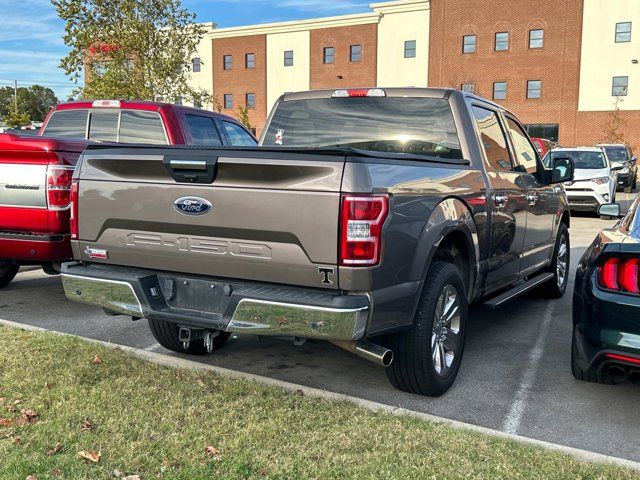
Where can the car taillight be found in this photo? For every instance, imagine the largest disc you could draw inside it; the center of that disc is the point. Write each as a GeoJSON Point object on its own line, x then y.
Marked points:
{"type": "Point", "coordinates": [359, 92]}
{"type": "Point", "coordinates": [59, 186]}
{"type": "Point", "coordinates": [73, 221]}
{"type": "Point", "coordinates": [620, 274]}
{"type": "Point", "coordinates": [362, 218]}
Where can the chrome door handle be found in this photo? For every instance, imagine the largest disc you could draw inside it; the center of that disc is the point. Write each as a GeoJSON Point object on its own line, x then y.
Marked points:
{"type": "Point", "coordinates": [532, 198]}
{"type": "Point", "coordinates": [500, 200]}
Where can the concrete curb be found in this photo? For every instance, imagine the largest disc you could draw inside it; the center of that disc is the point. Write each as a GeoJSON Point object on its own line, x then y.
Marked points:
{"type": "Point", "coordinates": [177, 362]}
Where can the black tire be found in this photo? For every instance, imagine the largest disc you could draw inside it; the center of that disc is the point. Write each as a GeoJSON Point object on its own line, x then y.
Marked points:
{"type": "Point", "coordinates": [635, 182]}
{"type": "Point", "coordinates": [166, 333]}
{"type": "Point", "coordinates": [8, 272]}
{"type": "Point", "coordinates": [554, 288]}
{"type": "Point", "coordinates": [414, 369]}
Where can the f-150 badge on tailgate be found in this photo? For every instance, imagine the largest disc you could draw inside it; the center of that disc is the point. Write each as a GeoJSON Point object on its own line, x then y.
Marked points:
{"type": "Point", "coordinates": [192, 206]}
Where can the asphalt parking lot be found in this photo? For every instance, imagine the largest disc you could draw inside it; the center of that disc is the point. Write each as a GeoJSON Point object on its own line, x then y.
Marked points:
{"type": "Point", "coordinates": [515, 375]}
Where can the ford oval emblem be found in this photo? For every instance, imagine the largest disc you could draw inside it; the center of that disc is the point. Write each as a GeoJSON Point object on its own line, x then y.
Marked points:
{"type": "Point", "coordinates": [192, 206]}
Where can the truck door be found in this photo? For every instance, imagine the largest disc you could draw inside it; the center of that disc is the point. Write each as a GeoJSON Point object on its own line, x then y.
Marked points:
{"type": "Point", "coordinates": [507, 200]}
{"type": "Point", "coordinates": [542, 202]}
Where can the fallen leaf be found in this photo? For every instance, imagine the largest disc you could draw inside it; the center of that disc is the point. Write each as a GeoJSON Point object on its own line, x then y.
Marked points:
{"type": "Point", "coordinates": [16, 440]}
{"type": "Point", "coordinates": [299, 393]}
{"type": "Point", "coordinates": [131, 477]}
{"type": "Point", "coordinates": [31, 477]}
{"type": "Point", "coordinates": [2, 399]}
{"type": "Point", "coordinates": [117, 473]}
{"type": "Point", "coordinates": [87, 426]}
{"type": "Point", "coordinates": [52, 451]}
{"type": "Point", "coordinates": [27, 416]}
{"type": "Point", "coordinates": [90, 456]}
{"type": "Point", "coordinates": [5, 422]}
{"type": "Point", "coordinates": [49, 386]}
{"type": "Point", "coordinates": [212, 451]}
{"type": "Point", "coordinates": [97, 360]}
{"type": "Point", "coordinates": [17, 402]}
{"type": "Point", "coordinates": [165, 465]}
{"type": "Point", "coordinates": [56, 472]}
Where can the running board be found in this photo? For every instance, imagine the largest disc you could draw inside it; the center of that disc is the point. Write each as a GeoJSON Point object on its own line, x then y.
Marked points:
{"type": "Point", "coordinates": [515, 292]}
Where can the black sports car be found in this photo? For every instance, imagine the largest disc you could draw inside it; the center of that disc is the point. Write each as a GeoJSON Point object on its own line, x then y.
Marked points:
{"type": "Point", "coordinates": [606, 303]}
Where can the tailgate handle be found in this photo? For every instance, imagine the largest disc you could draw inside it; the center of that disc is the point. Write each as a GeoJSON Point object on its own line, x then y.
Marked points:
{"type": "Point", "coordinates": [191, 170]}
{"type": "Point", "coordinates": [188, 164]}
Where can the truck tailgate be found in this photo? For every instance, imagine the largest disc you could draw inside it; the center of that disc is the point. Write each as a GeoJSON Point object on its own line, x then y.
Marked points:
{"type": "Point", "coordinates": [237, 213]}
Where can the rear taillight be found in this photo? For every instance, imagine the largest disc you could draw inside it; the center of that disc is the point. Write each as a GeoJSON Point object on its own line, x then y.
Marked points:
{"type": "Point", "coordinates": [73, 221]}
{"type": "Point", "coordinates": [620, 274]}
{"type": "Point", "coordinates": [59, 186]}
{"type": "Point", "coordinates": [362, 218]}
{"type": "Point", "coordinates": [359, 92]}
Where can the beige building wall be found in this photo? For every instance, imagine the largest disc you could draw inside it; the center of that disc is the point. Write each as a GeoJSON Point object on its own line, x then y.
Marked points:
{"type": "Point", "coordinates": [401, 21]}
{"type": "Point", "coordinates": [602, 58]}
{"type": "Point", "coordinates": [203, 80]}
{"type": "Point", "coordinates": [281, 79]}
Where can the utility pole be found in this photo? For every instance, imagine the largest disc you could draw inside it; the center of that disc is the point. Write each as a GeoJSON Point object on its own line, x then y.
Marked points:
{"type": "Point", "coordinates": [15, 96]}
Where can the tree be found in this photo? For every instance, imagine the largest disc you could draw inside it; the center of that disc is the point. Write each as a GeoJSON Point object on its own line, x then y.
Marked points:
{"type": "Point", "coordinates": [614, 124]}
{"type": "Point", "coordinates": [243, 116]}
{"type": "Point", "coordinates": [130, 49]}
{"type": "Point", "coordinates": [15, 120]}
{"type": "Point", "coordinates": [34, 101]}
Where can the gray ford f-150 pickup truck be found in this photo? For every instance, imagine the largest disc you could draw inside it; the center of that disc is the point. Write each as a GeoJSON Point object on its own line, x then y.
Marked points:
{"type": "Point", "coordinates": [369, 218]}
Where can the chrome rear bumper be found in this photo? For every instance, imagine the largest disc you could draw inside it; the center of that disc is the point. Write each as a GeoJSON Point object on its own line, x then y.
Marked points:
{"type": "Point", "coordinates": [239, 313]}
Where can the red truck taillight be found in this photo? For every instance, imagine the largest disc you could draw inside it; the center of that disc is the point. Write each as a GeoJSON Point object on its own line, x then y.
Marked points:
{"type": "Point", "coordinates": [73, 221]}
{"type": "Point", "coordinates": [59, 186]}
{"type": "Point", "coordinates": [362, 218]}
{"type": "Point", "coordinates": [620, 274]}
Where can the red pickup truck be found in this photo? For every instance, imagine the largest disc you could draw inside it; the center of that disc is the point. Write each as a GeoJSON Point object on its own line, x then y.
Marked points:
{"type": "Point", "coordinates": [35, 172]}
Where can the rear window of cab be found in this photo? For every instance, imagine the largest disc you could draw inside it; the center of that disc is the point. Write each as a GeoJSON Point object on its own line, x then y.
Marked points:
{"type": "Point", "coordinates": [107, 125]}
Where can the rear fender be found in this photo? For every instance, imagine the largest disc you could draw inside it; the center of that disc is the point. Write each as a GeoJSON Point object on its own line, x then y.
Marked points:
{"type": "Point", "coordinates": [450, 215]}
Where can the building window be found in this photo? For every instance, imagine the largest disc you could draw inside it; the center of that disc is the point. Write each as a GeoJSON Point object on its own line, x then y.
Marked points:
{"type": "Point", "coordinates": [355, 53]}
{"type": "Point", "coordinates": [468, 87]}
{"type": "Point", "coordinates": [228, 101]}
{"type": "Point", "coordinates": [536, 38]}
{"type": "Point", "coordinates": [250, 60]}
{"type": "Point", "coordinates": [499, 90]}
{"type": "Point", "coordinates": [620, 86]}
{"type": "Point", "coordinates": [410, 49]}
{"type": "Point", "coordinates": [288, 58]}
{"type": "Point", "coordinates": [548, 131]}
{"type": "Point", "coordinates": [227, 62]}
{"type": "Point", "coordinates": [468, 44]}
{"type": "Point", "coordinates": [534, 88]}
{"type": "Point", "coordinates": [502, 41]}
{"type": "Point", "coordinates": [328, 55]}
{"type": "Point", "coordinates": [623, 32]}
{"type": "Point", "coordinates": [196, 65]}
{"type": "Point", "coordinates": [251, 100]}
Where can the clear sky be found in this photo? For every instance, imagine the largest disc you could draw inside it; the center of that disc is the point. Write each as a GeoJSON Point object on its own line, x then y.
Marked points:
{"type": "Point", "coordinates": [31, 42]}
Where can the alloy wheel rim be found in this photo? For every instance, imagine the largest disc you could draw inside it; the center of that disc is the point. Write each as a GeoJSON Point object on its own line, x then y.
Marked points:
{"type": "Point", "coordinates": [561, 262]}
{"type": "Point", "coordinates": [446, 330]}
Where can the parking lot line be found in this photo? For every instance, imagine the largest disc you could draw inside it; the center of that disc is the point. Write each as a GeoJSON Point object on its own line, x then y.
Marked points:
{"type": "Point", "coordinates": [514, 417]}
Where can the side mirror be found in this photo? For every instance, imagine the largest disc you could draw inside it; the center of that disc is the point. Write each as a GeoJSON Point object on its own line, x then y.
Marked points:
{"type": "Point", "coordinates": [633, 160]}
{"type": "Point", "coordinates": [561, 171]}
{"type": "Point", "coordinates": [609, 211]}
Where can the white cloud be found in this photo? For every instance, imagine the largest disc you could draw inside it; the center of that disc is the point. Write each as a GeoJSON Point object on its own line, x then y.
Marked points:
{"type": "Point", "coordinates": [306, 5]}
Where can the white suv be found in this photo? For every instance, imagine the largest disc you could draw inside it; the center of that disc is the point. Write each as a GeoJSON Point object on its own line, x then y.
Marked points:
{"type": "Point", "coordinates": [594, 181]}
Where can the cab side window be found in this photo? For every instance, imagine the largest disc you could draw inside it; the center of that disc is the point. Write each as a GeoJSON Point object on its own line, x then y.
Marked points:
{"type": "Point", "coordinates": [525, 151]}
{"type": "Point", "coordinates": [493, 139]}
{"type": "Point", "coordinates": [203, 131]}
{"type": "Point", "coordinates": [238, 136]}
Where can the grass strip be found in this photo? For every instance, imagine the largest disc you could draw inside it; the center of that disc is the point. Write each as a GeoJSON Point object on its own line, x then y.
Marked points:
{"type": "Point", "coordinates": [63, 401]}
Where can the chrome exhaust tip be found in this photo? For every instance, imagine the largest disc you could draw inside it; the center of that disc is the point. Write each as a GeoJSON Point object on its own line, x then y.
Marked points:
{"type": "Point", "coordinates": [369, 351]}
{"type": "Point", "coordinates": [617, 374]}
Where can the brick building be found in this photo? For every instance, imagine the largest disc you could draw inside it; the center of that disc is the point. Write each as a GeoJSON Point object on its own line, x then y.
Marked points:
{"type": "Point", "coordinates": [561, 65]}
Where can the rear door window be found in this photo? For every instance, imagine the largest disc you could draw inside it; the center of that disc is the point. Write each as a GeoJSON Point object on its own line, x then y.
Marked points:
{"type": "Point", "coordinates": [103, 125]}
{"type": "Point", "coordinates": [67, 123]}
{"type": "Point", "coordinates": [493, 139]}
{"type": "Point", "coordinates": [142, 127]}
{"type": "Point", "coordinates": [238, 136]}
{"type": "Point", "coordinates": [203, 130]}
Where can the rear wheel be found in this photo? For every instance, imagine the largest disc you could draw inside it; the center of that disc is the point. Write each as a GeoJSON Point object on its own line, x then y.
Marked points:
{"type": "Point", "coordinates": [427, 357]}
{"type": "Point", "coordinates": [8, 271]}
{"type": "Point", "coordinates": [556, 287]}
{"type": "Point", "coordinates": [167, 335]}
